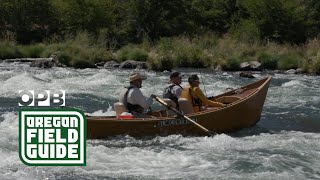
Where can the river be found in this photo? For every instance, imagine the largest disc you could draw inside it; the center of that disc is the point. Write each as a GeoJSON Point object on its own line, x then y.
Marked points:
{"type": "Point", "coordinates": [285, 144]}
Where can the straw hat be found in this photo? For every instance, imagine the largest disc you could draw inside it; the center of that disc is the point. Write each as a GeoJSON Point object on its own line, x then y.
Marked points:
{"type": "Point", "coordinates": [135, 76]}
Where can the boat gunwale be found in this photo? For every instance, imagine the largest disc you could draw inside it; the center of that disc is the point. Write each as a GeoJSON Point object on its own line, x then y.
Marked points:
{"type": "Point", "coordinates": [256, 90]}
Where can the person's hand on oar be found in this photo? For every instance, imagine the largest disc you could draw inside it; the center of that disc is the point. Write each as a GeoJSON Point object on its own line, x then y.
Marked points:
{"type": "Point", "coordinates": [162, 102]}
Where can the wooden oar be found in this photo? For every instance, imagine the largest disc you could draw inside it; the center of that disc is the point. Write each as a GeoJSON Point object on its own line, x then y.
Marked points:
{"type": "Point", "coordinates": [180, 114]}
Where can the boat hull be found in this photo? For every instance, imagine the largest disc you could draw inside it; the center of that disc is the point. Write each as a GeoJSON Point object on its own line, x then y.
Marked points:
{"type": "Point", "coordinates": [242, 113]}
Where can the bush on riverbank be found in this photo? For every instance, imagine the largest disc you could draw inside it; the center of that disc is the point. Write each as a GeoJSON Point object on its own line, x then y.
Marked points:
{"type": "Point", "coordinates": [9, 50]}
{"type": "Point", "coordinates": [79, 51]}
{"type": "Point", "coordinates": [207, 51]}
{"type": "Point", "coordinates": [131, 52]}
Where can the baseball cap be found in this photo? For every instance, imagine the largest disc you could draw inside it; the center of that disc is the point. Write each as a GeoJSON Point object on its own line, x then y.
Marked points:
{"type": "Point", "coordinates": [175, 74]}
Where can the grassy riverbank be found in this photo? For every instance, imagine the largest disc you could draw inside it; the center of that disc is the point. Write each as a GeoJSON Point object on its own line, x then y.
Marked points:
{"type": "Point", "coordinates": [207, 50]}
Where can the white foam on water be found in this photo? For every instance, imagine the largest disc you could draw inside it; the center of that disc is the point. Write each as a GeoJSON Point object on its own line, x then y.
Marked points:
{"type": "Point", "coordinates": [221, 156]}
{"type": "Point", "coordinates": [216, 88]}
{"type": "Point", "coordinates": [295, 94]}
{"type": "Point", "coordinates": [97, 82]}
{"type": "Point", "coordinates": [109, 112]}
{"type": "Point", "coordinates": [283, 155]}
{"type": "Point", "coordinates": [293, 83]}
{"type": "Point", "coordinates": [9, 144]}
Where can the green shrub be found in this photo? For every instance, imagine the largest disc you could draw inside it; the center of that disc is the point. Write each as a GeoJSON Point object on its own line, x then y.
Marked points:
{"type": "Point", "coordinates": [161, 63]}
{"type": "Point", "coordinates": [122, 54]}
{"type": "Point", "coordinates": [65, 59]}
{"type": "Point", "coordinates": [289, 61]}
{"type": "Point", "coordinates": [208, 40]}
{"type": "Point", "coordinates": [316, 66]}
{"type": "Point", "coordinates": [190, 57]}
{"type": "Point", "coordinates": [9, 50]}
{"type": "Point", "coordinates": [138, 55]}
{"type": "Point", "coordinates": [246, 31]}
{"type": "Point", "coordinates": [32, 51]}
{"type": "Point", "coordinates": [79, 52]}
{"type": "Point", "coordinates": [268, 61]}
{"type": "Point", "coordinates": [165, 45]}
{"type": "Point", "coordinates": [132, 53]}
{"type": "Point", "coordinates": [100, 55]}
{"type": "Point", "coordinates": [82, 39]}
{"type": "Point", "coordinates": [247, 55]}
{"type": "Point", "coordinates": [188, 52]}
{"type": "Point", "coordinates": [231, 64]}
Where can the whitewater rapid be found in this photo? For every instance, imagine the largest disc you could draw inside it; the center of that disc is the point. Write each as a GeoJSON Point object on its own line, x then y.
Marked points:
{"type": "Point", "coordinates": [285, 144]}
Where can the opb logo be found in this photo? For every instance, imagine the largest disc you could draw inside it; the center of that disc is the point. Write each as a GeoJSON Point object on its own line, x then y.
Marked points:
{"type": "Point", "coordinates": [41, 98]}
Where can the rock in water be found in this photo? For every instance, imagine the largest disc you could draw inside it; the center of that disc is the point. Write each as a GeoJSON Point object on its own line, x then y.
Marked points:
{"type": "Point", "coordinates": [246, 74]}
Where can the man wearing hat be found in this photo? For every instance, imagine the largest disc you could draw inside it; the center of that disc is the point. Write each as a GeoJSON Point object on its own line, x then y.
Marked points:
{"type": "Point", "coordinates": [173, 90]}
{"type": "Point", "coordinates": [132, 96]}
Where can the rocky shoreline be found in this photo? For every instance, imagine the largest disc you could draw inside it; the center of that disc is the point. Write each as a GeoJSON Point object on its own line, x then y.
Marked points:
{"type": "Point", "coordinates": [247, 69]}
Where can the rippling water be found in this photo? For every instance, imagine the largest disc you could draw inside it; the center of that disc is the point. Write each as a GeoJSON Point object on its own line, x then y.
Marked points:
{"type": "Point", "coordinates": [285, 144]}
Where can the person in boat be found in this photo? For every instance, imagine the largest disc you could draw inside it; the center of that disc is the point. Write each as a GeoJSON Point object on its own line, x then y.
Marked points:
{"type": "Point", "coordinates": [195, 96]}
{"type": "Point", "coordinates": [132, 96]}
{"type": "Point", "coordinates": [173, 89]}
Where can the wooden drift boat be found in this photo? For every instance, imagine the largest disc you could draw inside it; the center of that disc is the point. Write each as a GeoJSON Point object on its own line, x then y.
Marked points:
{"type": "Point", "coordinates": [243, 110]}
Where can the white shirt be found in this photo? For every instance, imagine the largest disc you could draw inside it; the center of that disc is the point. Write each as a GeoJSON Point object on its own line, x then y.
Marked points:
{"type": "Point", "coordinates": [135, 96]}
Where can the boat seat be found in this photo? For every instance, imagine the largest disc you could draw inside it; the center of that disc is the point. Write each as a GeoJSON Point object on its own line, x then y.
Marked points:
{"type": "Point", "coordinates": [227, 99]}
{"type": "Point", "coordinates": [185, 106]}
{"type": "Point", "coordinates": [172, 104]}
{"type": "Point", "coordinates": [119, 108]}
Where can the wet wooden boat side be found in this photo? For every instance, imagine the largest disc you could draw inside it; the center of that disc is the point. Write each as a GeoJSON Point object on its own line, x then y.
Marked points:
{"type": "Point", "coordinates": [242, 113]}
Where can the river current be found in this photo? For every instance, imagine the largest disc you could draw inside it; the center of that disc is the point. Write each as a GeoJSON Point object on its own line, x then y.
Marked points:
{"type": "Point", "coordinates": [285, 143]}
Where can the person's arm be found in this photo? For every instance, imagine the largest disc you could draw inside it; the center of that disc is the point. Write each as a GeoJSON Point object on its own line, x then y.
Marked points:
{"type": "Point", "coordinates": [138, 98]}
{"type": "Point", "coordinates": [205, 101]}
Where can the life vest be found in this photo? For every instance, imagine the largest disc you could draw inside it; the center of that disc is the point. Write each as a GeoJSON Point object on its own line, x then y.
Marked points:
{"type": "Point", "coordinates": [132, 108]}
{"type": "Point", "coordinates": [168, 94]}
{"type": "Point", "coordinates": [195, 101]}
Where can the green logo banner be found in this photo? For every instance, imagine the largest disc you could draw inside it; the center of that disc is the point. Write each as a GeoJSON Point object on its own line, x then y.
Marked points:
{"type": "Point", "coordinates": [52, 137]}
